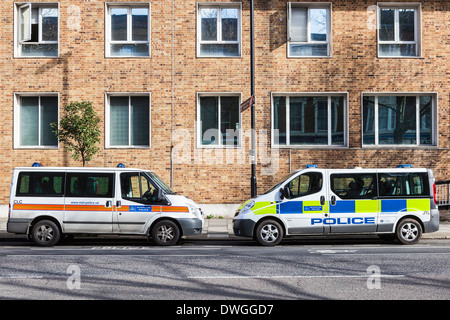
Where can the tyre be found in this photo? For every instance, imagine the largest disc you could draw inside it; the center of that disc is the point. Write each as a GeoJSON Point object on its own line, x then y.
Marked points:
{"type": "Point", "coordinates": [269, 233]}
{"type": "Point", "coordinates": [165, 233]}
{"type": "Point", "coordinates": [409, 231]}
{"type": "Point", "coordinates": [45, 233]}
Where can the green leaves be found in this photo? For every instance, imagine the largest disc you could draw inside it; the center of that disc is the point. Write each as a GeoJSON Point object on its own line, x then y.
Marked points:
{"type": "Point", "coordinates": [79, 130]}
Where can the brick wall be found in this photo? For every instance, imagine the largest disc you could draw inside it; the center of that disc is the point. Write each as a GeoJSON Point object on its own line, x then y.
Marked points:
{"type": "Point", "coordinates": [210, 175]}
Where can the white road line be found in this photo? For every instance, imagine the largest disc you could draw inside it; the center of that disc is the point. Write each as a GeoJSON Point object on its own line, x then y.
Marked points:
{"type": "Point", "coordinates": [282, 277]}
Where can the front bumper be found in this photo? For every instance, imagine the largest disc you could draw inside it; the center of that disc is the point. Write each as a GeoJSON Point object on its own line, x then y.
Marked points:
{"type": "Point", "coordinates": [191, 227]}
{"type": "Point", "coordinates": [243, 227]}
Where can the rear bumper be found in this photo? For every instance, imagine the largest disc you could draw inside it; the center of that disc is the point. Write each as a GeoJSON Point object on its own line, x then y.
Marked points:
{"type": "Point", "coordinates": [433, 224]}
{"type": "Point", "coordinates": [19, 226]}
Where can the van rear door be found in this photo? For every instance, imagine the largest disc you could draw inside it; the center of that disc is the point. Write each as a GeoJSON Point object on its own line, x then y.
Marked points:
{"type": "Point", "coordinates": [89, 202]}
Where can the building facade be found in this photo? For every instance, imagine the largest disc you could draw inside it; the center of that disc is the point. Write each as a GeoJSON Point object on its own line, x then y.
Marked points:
{"type": "Point", "coordinates": [338, 84]}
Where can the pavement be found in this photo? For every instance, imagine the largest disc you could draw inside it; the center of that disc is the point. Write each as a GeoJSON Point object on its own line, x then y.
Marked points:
{"type": "Point", "coordinates": [222, 229]}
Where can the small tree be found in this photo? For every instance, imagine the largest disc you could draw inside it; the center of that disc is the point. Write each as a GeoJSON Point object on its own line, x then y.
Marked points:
{"type": "Point", "coordinates": [79, 130]}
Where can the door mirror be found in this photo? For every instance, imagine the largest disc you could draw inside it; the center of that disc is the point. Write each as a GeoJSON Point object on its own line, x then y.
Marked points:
{"type": "Point", "coordinates": [282, 196]}
{"type": "Point", "coordinates": [159, 195]}
{"type": "Point", "coordinates": [285, 192]}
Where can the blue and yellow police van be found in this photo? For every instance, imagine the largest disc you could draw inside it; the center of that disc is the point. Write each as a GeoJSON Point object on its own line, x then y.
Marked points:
{"type": "Point", "coordinates": [394, 203]}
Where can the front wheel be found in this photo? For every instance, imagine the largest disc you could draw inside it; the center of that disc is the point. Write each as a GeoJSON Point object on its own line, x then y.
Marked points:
{"type": "Point", "coordinates": [409, 231]}
{"type": "Point", "coordinates": [165, 233]}
{"type": "Point", "coordinates": [269, 233]}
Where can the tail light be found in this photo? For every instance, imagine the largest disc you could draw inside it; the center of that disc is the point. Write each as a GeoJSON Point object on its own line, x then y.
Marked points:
{"type": "Point", "coordinates": [9, 211]}
{"type": "Point", "coordinates": [434, 193]}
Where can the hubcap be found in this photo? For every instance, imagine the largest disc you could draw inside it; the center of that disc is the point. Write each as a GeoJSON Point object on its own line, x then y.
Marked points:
{"type": "Point", "coordinates": [269, 233]}
{"type": "Point", "coordinates": [45, 233]}
{"type": "Point", "coordinates": [409, 231]}
{"type": "Point", "coordinates": [165, 233]}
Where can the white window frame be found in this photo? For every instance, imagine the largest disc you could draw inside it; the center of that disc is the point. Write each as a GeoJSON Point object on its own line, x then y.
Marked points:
{"type": "Point", "coordinates": [218, 6]}
{"type": "Point", "coordinates": [129, 6]}
{"type": "Point", "coordinates": [17, 29]}
{"type": "Point", "coordinates": [417, 6]}
{"type": "Point", "coordinates": [17, 114]}
{"type": "Point", "coordinates": [108, 95]}
{"type": "Point", "coordinates": [310, 5]}
{"type": "Point", "coordinates": [434, 119]}
{"type": "Point", "coordinates": [329, 145]}
{"type": "Point", "coordinates": [199, 123]}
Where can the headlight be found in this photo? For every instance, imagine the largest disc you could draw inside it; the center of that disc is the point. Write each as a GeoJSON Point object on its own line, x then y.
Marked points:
{"type": "Point", "coordinates": [247, 207]}
{"type": "Point", "coordinates": [195, 211]}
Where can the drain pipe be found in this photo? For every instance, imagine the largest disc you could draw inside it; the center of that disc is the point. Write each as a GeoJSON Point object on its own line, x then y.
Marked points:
{"type": "Point", "coordinates": [173, 93]}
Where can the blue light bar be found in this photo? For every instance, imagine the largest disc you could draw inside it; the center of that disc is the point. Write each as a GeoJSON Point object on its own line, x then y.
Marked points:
{"type": "Point", "coordinates": [404, 166]}
{"type": "Point", "coordinates": [311, 166]}
{"type": "Point", "coordinates": [37, 164]}
{"type": "Point", "coordinates": [120, 165]}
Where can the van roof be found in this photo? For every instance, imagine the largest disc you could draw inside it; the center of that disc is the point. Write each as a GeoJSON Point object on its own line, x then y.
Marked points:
{"type": "Point", "coordinates": [77, 169]}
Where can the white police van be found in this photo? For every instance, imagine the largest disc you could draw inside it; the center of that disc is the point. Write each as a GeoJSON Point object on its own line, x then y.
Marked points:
{"type": "Point", "coordinates": [49, 203]}
{"type": "Point", "coordinates": [397, 203]}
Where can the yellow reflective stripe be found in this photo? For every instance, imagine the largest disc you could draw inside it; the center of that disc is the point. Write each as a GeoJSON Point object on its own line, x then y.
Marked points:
{"type": "Point", "coordinates": [418, 204]}
{"type": "Point", "coordinates": [362, 206]}
{"type": "Point", "coordinates": [264, 207]}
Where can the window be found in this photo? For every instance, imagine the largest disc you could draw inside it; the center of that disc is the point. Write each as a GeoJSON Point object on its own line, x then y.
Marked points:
{"type": "Point", "coordinates": [48, 184]}
{"type": "Point", "coordinates": [218, 117]}
{"type": "Point", "coordinates": [309, 30]}
{"type": "Point", "coordinates": [354, 186]}
{"type": "Point", "coordinates": [309, 120]}
{"type": "Point", "coordinates": [32, 118]}
{"type": "Point", "coordinates": [128, 121]}
{"type": "Point", "coordinates": [138, 188]}
{"type": "Point", "coordinates": [91, 185]}
{"type": "Point", "coordinates": [405, 119]}
{"type": "Point", "coordinates": [305, 184]}
{"type": "Point", "coordinates": [128, 31]}
{"type": "Point", "coordinates": [398, 30]}
{"type": "Point", "coordinates": [219, 30]}
{"type": "Point", "coordinates": [404, 184]}
{"type": "Point", "coordinates": [36, 30]}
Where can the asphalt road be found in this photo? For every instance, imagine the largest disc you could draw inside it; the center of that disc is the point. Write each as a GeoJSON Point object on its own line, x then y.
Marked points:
{"type": "Point", "coordinates": [213, 269]}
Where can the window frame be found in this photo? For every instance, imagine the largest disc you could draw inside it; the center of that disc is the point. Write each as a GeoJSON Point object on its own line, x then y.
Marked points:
{"type": "Point", "coordinates": [17, 28]}
{"type": "Point", "coordinates": [199, 123]}
{"type": "Point", "coordinates": [434, 120]}
{"type": "Point", "coordinates": [219, 5]}
{"type": "Point", "coordinates": [129, 6]}
{"type": "Point", "coordinates": [310, 5]}
{"type": "Point", "coordinates": [417, 6]}
{"type": "Point", "coordinates": [329, 145]}
{"type": "Point", "coordinates": [17, 115]}
{"type": "Point", "coordinates": [108, 95]}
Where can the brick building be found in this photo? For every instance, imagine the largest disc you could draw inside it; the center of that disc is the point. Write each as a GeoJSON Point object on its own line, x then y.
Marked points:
{"type": "Point", "coordinates": [338, 84]}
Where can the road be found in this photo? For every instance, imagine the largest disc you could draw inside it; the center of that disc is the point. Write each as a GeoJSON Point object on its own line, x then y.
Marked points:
{"type": "Point", "coordinates": [214, 269]}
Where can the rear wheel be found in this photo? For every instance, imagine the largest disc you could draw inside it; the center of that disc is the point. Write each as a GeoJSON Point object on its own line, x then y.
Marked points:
{"type": "Point", "coordinates": [269, 233]}
{"type": "Point", "coordinates": [45, 233]}
{"type": "Point", "coordinates": [409, 231]}
{"type": "Point", "coordinates": [165, 233]}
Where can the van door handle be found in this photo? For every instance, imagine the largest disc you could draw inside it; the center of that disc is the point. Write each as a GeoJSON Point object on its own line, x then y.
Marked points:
{"type": "Point", "coordinates": [333, 200]}
{"type": "Point", "coordinates": [118, 204]}
{"type": "Point", "coordinates": [322, 200]}
{"type": "Point", "coordinates": [108, 204]}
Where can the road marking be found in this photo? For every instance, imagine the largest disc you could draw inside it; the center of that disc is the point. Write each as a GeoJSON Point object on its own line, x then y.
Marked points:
{"type": "Point", "coordinates": [282, 277]}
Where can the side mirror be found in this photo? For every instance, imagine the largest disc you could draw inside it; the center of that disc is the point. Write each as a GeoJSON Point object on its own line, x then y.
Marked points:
{"type": "Point", "coordinates": [159, 196]}
{"type": "Point", "coordinates": [282, 195]}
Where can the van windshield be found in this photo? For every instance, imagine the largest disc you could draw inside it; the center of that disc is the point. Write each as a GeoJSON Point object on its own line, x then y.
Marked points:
{"type": "Point", "coordinates": [160, 183]}
{"type": "Point", "coordinates": [280, 182]}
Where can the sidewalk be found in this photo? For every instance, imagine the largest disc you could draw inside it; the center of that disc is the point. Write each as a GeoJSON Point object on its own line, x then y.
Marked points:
{"type": "Point", "coordinates": [222, 229]}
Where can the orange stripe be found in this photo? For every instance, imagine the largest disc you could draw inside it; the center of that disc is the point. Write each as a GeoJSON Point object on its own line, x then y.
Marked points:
{"type": "Point", "coordinates": [38, 207]}
{"type": "Point", "coordinates": [174, 209]}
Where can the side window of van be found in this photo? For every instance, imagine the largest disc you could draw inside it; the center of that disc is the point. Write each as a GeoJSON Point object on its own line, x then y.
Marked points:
{"type": "Point", "coordinates": [305, 184]}
{"type": "Point", "coordinates": [137, 187]}
{"type": "Point", "coordinates": [404, 184]}
{"type": "Point", "coordinates": [354, 186]}
{"type": "Point", "coordinates": [35, 184]}
{"type": "Point", "coordinates": [89, 185]}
